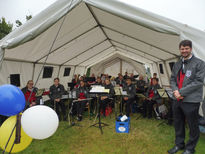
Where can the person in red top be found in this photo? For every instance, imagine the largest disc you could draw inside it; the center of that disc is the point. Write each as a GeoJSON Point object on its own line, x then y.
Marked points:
{"type": "Point", "coordinates": [152, 97]}
{"type": "Point", "coordinates": [187, 85]}
{"type": "Point", "coordinates": [82, 94]}
{"type": "Point", "coordinates": [27, 92]}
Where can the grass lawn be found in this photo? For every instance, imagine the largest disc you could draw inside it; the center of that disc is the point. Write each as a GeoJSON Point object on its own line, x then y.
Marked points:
{"type": "Point", "coordinates": [145, 137]}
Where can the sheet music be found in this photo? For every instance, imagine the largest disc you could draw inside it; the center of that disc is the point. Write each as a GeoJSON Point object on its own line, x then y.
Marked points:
{"type": "Point", "coordinates": [162, 93]}
{"type": "Point", "coordinates": [124, 93]}
{"type": "Point", "coordinates": [118, 90]}
{"type": "Point", "coordinates": [99, 89]}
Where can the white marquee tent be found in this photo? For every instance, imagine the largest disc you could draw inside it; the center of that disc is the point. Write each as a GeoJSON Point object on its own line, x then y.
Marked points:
{"type": "Point", "coordinates": [82, 34]}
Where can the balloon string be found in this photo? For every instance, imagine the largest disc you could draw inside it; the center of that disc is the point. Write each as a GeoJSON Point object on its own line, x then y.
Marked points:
{"type": "Point", "coordinates": [9, 139]}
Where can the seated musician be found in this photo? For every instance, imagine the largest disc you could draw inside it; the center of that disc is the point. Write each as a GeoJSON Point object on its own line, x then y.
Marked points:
{"type": "Point", "coordinates": [126, 76]}
{"type": "Point", "coordinates": [81, 93]}
{"type": "Point", "coordinates": [120, 81]}
{"type": "Point", "coordinates": [132, 77]}
{"type": "Point", "coordinates": [81, 78]}
{"type": "Point", "coordinates": [129, 99]}
{"type": "Point", "coordinates": [152, 98]}
{"type": "Point", "coordinates": [98, 81]}
{"type": "Point", "coordinates": [75, 81]}
{"type": "Point", "coordinates": [27, 93]}
{"type": "Point", "coordinates": [113, 82]}
{"type": "Point", "coordinates": [92, 79]}
{"type": "Point", "coordinates": [56, 92]}
{"type": "Point", "coordinates": [117, 78]}
{"type": "Point", "coordinates": [154, 76]}
{"type": "Point", "coordinates": [105, 98]}
{"type": "Point", "coordinates": [140, 85]}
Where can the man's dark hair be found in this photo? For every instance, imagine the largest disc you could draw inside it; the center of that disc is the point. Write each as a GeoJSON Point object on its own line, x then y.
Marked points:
{"type": "Point", "coordinates": [155, 74]}
{"type": "Point", "coordinates": [56, 79]}
{"type": "Point", "coordinates": [185, 43]}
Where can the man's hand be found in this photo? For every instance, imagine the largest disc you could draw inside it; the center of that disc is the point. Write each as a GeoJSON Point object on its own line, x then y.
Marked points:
{"type": "Point", "coordinates": [103, 97]}
{"type": "Point", "coordinates": [149, 99]}
{"type": "Point", "coordinates": [177, 95]}
{"type": "Point", "coordinates": [125, 98]}
{"type": "Point", "coordinates": [33, 103]}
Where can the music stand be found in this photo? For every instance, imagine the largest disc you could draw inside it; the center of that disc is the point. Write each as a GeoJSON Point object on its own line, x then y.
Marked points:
{"type": "Point", "coordinates": [165, 93]}
{"type": "Point", "coordinates": [70, 114]}
{"type": "Point", "coordinates": [99, 124]}
{"type": "Point", "coordinates": [118, 92]}
{"type": "Point", "coordinates": [139, 95]}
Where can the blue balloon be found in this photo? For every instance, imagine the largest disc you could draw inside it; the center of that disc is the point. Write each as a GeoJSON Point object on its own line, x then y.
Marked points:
{"type": "Point", "coordinates": [12, 100]}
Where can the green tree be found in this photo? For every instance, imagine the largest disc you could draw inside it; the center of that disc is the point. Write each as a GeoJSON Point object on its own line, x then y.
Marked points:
{"type": "Point", "coordinates": [5, 28]}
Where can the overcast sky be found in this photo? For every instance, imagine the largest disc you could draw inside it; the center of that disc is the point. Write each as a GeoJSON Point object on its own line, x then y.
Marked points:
{"type": "Point", "coordinates": [190, 12]}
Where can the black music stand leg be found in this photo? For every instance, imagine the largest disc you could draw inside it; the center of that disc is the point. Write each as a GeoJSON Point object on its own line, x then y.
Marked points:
{"type": "Point", "coordinates": [115, 107]}
{"type": "Point", "coordinates": [71, 119]}
{"type": "Point", "coordinates": [99, 124]}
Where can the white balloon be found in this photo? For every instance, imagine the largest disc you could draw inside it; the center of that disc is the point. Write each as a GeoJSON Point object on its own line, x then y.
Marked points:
{"type": "Point", "coordinates": [39, 122]}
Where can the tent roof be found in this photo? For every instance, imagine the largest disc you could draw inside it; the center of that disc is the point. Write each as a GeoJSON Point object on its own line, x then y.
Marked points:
{"type": "Point", "coordinates": [83, 32]}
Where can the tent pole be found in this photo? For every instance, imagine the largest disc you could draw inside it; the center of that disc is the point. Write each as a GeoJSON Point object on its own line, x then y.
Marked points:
{"type": "Point", "coordinates": [59, 71]}
{"type": "Point", "coordinates": [120, 66]}
{"type": "Point", "coordinates": [74, 71]}
{"type": "Point", "coordinates": [165, 65]}
{"type": "Point", "coordinates": [158, 73]}
{"type": "Point", "coordinates": [85, 70]}
{"type": "Point", "coordinates": [34, 66]}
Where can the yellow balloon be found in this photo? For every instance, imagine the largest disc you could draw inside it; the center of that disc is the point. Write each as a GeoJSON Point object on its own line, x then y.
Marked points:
{"type": "Point", "coordinates": [5, 131]}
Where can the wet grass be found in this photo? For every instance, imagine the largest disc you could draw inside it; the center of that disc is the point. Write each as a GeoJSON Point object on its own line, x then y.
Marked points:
{"type": "Point", "coordinates": [145, 137]}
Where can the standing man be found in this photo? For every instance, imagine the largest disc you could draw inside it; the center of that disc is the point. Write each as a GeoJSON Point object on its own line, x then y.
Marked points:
{"type": "Point", "coordinates": [56, 92]}
{"type": "Point", "coordinates": [187, 85]}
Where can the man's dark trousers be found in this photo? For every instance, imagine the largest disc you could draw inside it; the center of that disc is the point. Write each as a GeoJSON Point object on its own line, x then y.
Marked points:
{"type": "Point", "coordinates": [63, 109]}
{"type": "Point", "coordinates": [188, 112]}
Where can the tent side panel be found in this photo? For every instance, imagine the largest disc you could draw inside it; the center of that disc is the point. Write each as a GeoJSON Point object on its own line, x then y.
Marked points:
{"type": "Point", "coordinates": [80, 70]}
{"type": "Point", "coordinates": [65, 79]}
{"type": "Point", "coordinates": [45, 82]}
{"type": "Point", "coordinates": [11, 67]}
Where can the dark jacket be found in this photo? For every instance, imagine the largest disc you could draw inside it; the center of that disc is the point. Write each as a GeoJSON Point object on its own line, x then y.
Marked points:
{"type": "Point", "coordinates": [131, 91]}
{"type": "Point", "coordinates": [56, 92]}
{"type": "Point", "coordinates": [192, 89]}
{"type": "Point", "coordinates": [141, 85]}
{"type": "Point", "coordinates": [156, 96]}
{"type": "Point", "coordinates": [82, 90]}
{"type": "Point", "coordinates": [112, 92]}
{"type": "Point", "coordinates": [120, 82]}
